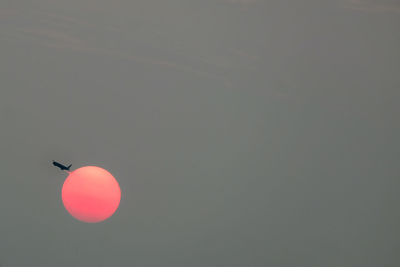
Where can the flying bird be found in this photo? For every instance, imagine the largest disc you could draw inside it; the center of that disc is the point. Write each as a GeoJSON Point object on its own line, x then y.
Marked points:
{"type": "Point", "coordinates": [62, 167]}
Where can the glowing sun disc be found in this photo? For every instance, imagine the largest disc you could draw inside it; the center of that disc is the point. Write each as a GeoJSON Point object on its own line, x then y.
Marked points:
{"type": "Point", "coordinates": [91, 194]}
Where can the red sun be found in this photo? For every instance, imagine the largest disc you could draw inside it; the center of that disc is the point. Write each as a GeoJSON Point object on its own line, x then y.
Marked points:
{"type": "Point", "coordinates": [91, 194]}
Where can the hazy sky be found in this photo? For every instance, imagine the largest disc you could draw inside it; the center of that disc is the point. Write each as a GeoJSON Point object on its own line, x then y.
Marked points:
{"type": "Point", "coordinates": [242, 132]}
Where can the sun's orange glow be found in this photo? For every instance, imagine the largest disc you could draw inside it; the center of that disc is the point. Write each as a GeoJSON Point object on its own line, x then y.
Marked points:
{"type": "Point", "coordinates": [91, 194]}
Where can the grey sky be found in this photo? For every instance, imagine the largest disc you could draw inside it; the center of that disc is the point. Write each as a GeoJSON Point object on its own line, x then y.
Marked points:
{"type": "Point", "coordinates": [242, 132]}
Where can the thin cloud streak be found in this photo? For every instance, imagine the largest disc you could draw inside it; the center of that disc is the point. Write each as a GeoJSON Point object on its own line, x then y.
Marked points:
{"type": "Point", "coordinates": [59, 32]}
{"type": "Point", "coordinates": [58, 36]}
{"type": "Point", "coordinates": [59, 40]}
{"type": "Point", "coordinates": [243, 2]}
{"type": "Point", "coordinates": [375, 6]}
